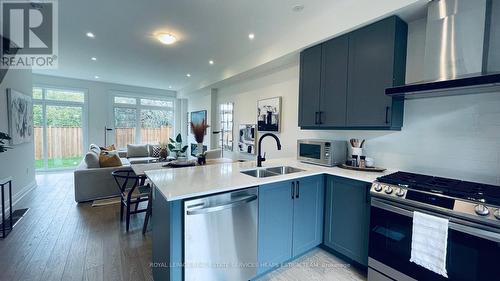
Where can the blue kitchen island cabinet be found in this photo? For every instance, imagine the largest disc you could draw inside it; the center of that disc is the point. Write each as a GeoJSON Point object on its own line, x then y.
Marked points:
{"type": "Point", "coordinates": [290, 220]}
{"type": "Point", "coordinates": [347, 218]}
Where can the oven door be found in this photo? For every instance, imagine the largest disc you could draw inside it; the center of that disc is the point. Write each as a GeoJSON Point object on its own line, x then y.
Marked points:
{"type": "Point", "coordinates": [312, 152]}
{"type": "Point", "coordinates": [473, 250]}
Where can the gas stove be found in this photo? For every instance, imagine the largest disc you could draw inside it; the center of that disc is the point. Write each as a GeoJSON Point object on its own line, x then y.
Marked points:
{"type": "Point", "coordinates": [473, 201]}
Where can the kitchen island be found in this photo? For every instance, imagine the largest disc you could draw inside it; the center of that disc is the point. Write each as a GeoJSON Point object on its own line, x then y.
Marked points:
{"type": "Point", "coordinates": [173, 187]}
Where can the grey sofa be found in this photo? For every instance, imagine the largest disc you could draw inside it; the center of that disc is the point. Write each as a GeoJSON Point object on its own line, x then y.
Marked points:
{"type": "Point", "coordinates": [98, 183]}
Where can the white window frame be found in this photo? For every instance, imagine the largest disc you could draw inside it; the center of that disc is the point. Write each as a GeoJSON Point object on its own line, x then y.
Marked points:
{"type": "Point", "coordinates": [44, 103]}
{"type": "Point", "coordinates": [138, 107]}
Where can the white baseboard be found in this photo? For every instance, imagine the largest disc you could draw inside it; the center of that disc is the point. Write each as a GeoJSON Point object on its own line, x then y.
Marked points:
{"type": "Point", "coordinates": [16, 197]}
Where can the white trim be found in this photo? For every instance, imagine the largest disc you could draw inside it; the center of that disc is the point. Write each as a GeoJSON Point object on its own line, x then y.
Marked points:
{"type": "Point", "coordinates": [18, 196]}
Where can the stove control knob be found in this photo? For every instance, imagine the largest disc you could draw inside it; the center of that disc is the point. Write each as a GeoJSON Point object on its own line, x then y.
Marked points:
{"type": "Point", "coordinates": [388, 189]}
{"type": "Point", "coordinates": [481, 210]}
{"type": "Point", "coordinates": [400, 192]}
{"type": "Point", "coordinates": [377, 187]}
{"type": "Point", "coordinates": [497, 214]}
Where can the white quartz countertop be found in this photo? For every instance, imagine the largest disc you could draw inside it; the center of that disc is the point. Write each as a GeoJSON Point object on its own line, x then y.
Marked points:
{"type": "Point", "coordinates": [184, 183]}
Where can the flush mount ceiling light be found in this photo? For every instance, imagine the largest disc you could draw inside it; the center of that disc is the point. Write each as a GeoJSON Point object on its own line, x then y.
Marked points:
{"type": "Point", "coordinates": [298, 8]}
{"type": "Point", "coordinates": [211, 62]}
{"type": "Point", "coordinates": [166, 38]}
{"type": "Point", "coordinates": [188, 75]}
{"type": "Point", "coordinates": [251, 36]}
{"type": "Point", "coordinates": [96, 77]}
{"type": "Point", "coordinates": [170, 87]}
{"type": "Point", "coordinates": [93, 58]}
{"type": "Point", "coordinates": [90, 35]}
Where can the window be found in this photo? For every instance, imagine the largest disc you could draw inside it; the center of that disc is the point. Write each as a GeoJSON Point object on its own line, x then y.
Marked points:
{"type": "Point", "coordinates": [142, 120]}
{"type": "Point", "coordinates": [58, 127]}
{"type": "Point", "coordinates": [226, 119]}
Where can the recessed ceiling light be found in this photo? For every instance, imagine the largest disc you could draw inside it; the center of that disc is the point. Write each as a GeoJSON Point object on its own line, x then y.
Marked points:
{"type": "Point", "coordinates": [96, 77]}
{"type": "Point", "coordinates": [90, 35]}
{"type": "Point", "coordinates": [251, 36]}
{"type": "Point", "coordinates": [166, 38]}
{"type": "Point", "coordinates": [93, 58]}
{"type": "Point", "coordinates": [298, 8]}
{"type": "Point", "coordinates": [188, 75]}
{"type": "Point", "coordinates": [211, 62]}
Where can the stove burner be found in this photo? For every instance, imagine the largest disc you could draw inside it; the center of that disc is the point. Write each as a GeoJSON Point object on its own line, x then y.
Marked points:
{"type": "Point", "coordinates": [481, 193]}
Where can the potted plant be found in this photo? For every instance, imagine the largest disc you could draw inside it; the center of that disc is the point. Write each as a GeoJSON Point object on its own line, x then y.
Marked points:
{"type": "Point", "coordinates": [175, 146]}
{"type": "Point", "coordinates": [199, 131]}
{"type": "Point", "coordinates": [4, 137]}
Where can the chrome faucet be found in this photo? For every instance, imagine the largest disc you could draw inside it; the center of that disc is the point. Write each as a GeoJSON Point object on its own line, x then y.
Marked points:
{"type": "Point", "coordinates": [261, 159]}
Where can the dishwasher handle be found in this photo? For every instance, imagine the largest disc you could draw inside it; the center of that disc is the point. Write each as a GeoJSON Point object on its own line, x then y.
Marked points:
{"type": "Point", "coordinates": [231, 204]}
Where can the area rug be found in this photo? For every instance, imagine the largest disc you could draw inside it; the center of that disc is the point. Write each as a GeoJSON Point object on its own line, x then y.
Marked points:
{"type": "Point", "coordinates": [106, 202]}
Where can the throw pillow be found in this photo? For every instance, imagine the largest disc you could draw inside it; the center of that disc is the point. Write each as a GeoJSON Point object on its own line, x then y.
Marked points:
{"type": "Point", "coordinates": [155, 151]}
{"type": "Point", "coordinates": [137, 150]}
{"type": "Point", "coordinates": [109, 160]}
{"type": "Point", "coordinates": [95, 148]}
{"type": "Point", "coordinates": [92, 160]}
{"type": "Point", "coordinates": [108, 148]}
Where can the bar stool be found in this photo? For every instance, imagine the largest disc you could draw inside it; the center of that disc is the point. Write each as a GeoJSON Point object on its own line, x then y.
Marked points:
{"type": "Point", "coordinates": [132, 192]}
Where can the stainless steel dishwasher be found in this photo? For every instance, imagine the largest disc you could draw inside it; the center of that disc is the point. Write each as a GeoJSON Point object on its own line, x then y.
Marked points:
{"type": "Point", "coordinates": [220, 237]}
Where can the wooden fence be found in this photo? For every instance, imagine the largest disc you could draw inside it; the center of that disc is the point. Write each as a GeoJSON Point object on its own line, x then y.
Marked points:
{"type": "Point", "coordinates": [67, 141]}
{"type": "Point", "coordinates": [62, 142]}
{"type": "Point", "coordinates": [124, 136]}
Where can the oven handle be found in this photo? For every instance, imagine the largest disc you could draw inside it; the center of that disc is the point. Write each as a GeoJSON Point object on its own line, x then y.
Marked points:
{"type": "Point", "coordinates": [481, 233]}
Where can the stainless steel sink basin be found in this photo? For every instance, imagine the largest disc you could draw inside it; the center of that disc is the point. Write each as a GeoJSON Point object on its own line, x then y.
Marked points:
{"type": "Point", "coordinates": [273, 171]}
{"type": "Point", "coordinates": [283, 170]}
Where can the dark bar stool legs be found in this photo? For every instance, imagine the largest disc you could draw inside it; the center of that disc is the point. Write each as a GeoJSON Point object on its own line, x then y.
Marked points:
{"type": "Point", "coordinates": [148, 214]}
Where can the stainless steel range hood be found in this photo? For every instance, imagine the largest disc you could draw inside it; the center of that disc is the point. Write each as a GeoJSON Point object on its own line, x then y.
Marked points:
{"type": "Point", "coordinates": [462, 50]}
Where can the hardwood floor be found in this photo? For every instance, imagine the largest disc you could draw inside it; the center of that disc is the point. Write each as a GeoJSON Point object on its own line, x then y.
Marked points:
{"type": "Point", "coordinates": [61, 240]}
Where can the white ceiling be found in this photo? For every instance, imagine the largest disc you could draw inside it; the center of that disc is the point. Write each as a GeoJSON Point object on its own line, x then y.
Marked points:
{"type": "Point", "coordinates": [207, 29]}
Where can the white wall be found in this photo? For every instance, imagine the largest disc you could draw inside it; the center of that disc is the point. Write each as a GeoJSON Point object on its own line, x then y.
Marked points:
{"type": "Point", "coordinates": [99, 107]}
{"type": "Point", "coordinates": [203, 100]}
{"type": "Point", "coordinates": [456, 137]}
{"type": "Point", "coordinates": [19, 162]}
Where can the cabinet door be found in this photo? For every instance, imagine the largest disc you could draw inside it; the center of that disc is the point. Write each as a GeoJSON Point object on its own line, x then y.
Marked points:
{"type": "Point", "coordinates": [371, 70]}
{"type": "Point", "coordinates": [275, 224]}
{"type": "Point", "coordinates": [347, 218]}
{"type": "Point", "coordinates": [334, 82]}
{"type": "Point", "coordinates": [309, 88]}
{"type": "Point", "coordinates": [308, 214]}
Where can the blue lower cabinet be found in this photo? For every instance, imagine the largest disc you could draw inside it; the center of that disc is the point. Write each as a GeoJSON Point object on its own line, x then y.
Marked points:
{"type": "Point", "coordinates": [347, 218]}
{"type": "Point", "coordinates": [290, 220]}
{"type": "Point", "coordinates": [308, 214]}
{"type": "Point", "coordinates": [275, 225]}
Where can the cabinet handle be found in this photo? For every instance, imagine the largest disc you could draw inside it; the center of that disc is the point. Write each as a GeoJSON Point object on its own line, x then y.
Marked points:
{"type": "Point", "coordinates": [387, 114]}
{"type": "Point", "coordinates": [316, 117]}
{"type": "Point", "coordinates": [320, 117]}
{"type": "Point", "coordinates": [293, 189]}
{"type": "Point", "coordinates": [298, 191]}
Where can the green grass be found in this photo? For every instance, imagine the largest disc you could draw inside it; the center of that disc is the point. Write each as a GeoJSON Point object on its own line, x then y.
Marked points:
{"type": "Point", "coordinates": [60, 163]}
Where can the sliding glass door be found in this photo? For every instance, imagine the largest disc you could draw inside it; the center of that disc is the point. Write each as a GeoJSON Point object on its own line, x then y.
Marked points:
{"type": "Point", "coordinates": [59, 128]}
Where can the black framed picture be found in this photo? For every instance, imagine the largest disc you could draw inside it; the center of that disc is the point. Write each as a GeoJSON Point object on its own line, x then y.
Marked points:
{"type": "Point", "coordinates": [269, 114]}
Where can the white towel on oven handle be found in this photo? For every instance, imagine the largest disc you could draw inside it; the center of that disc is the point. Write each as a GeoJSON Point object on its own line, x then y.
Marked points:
{"type": "Point", "coordinates": [429, 242]}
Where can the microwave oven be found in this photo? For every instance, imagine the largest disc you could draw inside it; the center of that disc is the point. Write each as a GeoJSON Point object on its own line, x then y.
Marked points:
{"type": "Point", "coordinates": [322, 152]}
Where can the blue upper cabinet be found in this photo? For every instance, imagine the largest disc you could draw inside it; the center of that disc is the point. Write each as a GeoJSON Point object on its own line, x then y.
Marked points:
{"type": "Point", "coordinates": [308, 214]}
{"type": "Point", "coordinates": [275, 224]}
{"type": "Point", "coordinates": [347, 218]}
{"type": "Point", "coordinates": [290, 220]}
{"type": "Point", "coordinates": [343, 80]}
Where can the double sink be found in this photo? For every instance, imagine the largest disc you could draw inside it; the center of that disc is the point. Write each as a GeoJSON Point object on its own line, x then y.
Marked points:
{"type": "Point", "coordinates": [272, 171]}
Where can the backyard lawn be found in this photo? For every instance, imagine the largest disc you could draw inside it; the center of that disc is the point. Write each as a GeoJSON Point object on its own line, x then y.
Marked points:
{"type": "Point", "coordinates": [60, 163]}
